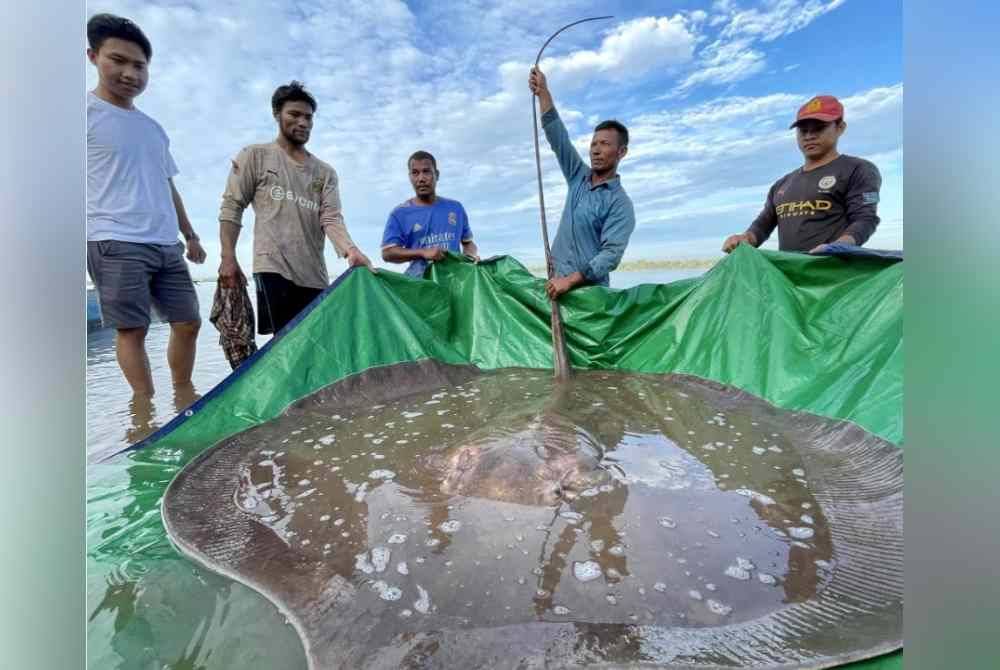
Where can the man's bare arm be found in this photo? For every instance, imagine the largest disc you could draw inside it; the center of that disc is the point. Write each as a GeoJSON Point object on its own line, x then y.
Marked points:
{"type": "Point", "coordinates": [195, 252]}
{"type": "Point", "coordinates": [398, 254]}
{"type": "Point", "coordinates": [470, 249]}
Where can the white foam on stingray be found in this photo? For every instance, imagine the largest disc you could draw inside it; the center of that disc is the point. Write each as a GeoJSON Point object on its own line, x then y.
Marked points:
{"type": "Point", "coordinates": [362, 563]}
{"type": "Point", "coordinates": [718, 608]}
{"type": "Point", "coordinates": [450, 526]}
{"type": "Point", "coordinates": [423, 603]}
{"type": "Point", "coordinates": [754, 495]}
{"type": "Point", "coordinates": [387, 591]}
{"type": "Point", "coordinates": [380, 558]}
{"type": "Point", "coordinates": [586, 571]}
{"type": "Point", "coordinates": [736, 572]}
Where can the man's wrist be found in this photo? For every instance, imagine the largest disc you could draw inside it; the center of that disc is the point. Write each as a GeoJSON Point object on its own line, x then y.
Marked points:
{"type": "Point", "coordinates": [190, 236]}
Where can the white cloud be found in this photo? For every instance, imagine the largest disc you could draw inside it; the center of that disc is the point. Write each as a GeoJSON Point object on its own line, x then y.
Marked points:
{"type": "Point", "coordinates": [725, 63]}
{"type": "Point", "coordinates": [873, 101]}
{"type": "Point", "coordinates": [778, 18]}
{"type": "Point", "coordinates": [734, 56]}
{"type": "Point", "coordinates": [630, 50]}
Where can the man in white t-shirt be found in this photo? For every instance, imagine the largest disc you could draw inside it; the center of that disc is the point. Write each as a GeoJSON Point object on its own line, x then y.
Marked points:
{"type": "Point", "coordinates": [134, 212]}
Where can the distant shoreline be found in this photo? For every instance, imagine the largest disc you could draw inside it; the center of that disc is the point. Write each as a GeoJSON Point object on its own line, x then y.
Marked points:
{"type": "Point", "coordinates": [626, 266]}
{"type": "Point", "coordinates": [662, 264]}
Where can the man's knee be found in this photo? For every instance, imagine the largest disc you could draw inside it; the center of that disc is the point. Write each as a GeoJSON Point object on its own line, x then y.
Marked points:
{"type": "Point", "coordinates": [185, 328]}
{"type": "Point", "coordinates": [137, 335]}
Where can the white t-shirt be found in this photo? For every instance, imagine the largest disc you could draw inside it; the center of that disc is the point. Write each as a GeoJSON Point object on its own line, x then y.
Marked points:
{"type": "Point", "coordinates": [128, 165]}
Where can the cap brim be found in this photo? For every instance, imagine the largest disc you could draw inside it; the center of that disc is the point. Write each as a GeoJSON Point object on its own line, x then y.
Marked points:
{"type": "Point", "coordinates": [818, 117]}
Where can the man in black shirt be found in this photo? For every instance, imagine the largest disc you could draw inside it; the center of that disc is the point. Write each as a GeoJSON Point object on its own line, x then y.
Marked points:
{"type": "Point", "coordinates": [832, 198]}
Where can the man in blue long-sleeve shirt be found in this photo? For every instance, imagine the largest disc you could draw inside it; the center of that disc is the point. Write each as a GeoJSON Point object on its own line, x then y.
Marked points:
{"type": "Point", "coordinates": [598, 217]}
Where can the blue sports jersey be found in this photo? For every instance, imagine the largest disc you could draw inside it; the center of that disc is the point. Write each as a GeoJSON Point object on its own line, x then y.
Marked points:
{"type": "Point", "coordinates": [443, 224]}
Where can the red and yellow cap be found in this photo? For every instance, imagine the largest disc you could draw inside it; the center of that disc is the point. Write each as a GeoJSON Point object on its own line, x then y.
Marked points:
{"type": "Point", "coordinates": [822, 107]}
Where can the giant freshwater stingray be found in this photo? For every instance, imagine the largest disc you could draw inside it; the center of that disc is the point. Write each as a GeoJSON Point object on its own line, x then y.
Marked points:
{"type": "Point", "coordinates": [425, 515]}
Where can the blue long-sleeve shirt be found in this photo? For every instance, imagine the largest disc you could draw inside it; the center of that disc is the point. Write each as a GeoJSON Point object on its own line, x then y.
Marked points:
{"type": "Point", "coordinates": [596, 220]}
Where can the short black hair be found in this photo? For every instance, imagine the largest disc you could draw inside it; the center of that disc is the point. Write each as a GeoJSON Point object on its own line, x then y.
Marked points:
{"type": "Point", "coordinates": [421, 156]}
{"type": "Point", "coordinates": [102, 26]}
{"type": "Point", "coordinates": [612, 124]}
{"type": "Point", "coordinates": [292, 92]}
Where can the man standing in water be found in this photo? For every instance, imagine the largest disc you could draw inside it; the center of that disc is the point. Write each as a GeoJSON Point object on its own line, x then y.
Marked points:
{"type": "Point", "coordinates": [598, 217]}
{"type": "Point", "coordinates": [423, 228]}
{"type": "Point", "coordinates": [831, 199]}
{"type": "Point", "coordinates": [134, 212]}
{"type": "Point", "coordinates": [296, 201]}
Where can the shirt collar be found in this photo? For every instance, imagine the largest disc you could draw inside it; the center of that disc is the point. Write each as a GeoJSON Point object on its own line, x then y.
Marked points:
{"type": "Point", "coordinates": [612, 184]}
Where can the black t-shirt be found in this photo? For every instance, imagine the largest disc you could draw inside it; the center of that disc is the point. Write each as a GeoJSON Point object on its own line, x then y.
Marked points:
{"type": "Point", "coordinates": [818, 206]}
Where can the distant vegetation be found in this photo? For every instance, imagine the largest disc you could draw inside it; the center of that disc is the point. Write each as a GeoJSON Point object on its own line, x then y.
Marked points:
{"type": "Point", "coordinates": [668, 264]}
{"type": "Point", "coordinates": [646, 266]}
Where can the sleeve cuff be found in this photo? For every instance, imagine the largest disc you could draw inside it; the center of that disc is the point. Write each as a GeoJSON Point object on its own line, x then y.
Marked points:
{"type": "Point", "coordinates": [549, 116]}
{"type": "Point", "coordinates": [232, 219]}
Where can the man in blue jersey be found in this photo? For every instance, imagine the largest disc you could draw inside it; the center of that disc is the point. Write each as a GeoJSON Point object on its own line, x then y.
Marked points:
{"type": "Point", "coordinates": [420, 230]}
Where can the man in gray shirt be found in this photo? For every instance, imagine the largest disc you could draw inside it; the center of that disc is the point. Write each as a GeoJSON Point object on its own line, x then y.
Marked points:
{"type": "Point", "coordinates": [598, 217]}
{"type": "Point", "coordinates": [296, 201]}
{"type": "Point", "coordinates": [832, 198]}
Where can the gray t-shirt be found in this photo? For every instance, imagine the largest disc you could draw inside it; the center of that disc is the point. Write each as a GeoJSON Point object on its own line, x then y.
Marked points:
{"type": "Point", "coordinates": [818, 206]}
{"type": "Point", "coordinates": [295, 205]}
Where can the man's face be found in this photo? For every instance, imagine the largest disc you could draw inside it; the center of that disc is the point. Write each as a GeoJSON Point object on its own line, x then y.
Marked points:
{"type": "Point", "coordinates": [817, 138]}
{"type": "Point", "coordinates": [605, 152]}
{"type": "Point", "coordinates": [121, 67]}
{"type": "Point", "coordinates": [423, 176]}
{"type": "Point", "coordinates": [295, 121]}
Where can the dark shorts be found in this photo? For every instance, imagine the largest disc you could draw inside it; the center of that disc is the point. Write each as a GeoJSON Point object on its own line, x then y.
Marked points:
{"type": "Point", "coordinates": [279, 301]}
{"type": "Point", "coordinates": [131, 278]}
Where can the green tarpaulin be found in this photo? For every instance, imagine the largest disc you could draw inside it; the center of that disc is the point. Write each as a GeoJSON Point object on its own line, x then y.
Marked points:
{"type": "Point", "coordinates": [818, 334]}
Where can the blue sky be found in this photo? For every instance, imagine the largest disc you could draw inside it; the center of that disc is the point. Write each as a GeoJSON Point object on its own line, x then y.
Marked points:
{"type": "Point", "coordinates": [707, 90]}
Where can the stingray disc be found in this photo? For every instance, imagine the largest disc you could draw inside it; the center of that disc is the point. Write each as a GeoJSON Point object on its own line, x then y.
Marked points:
{"type": "Point", "coordinates": [393, 518]}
